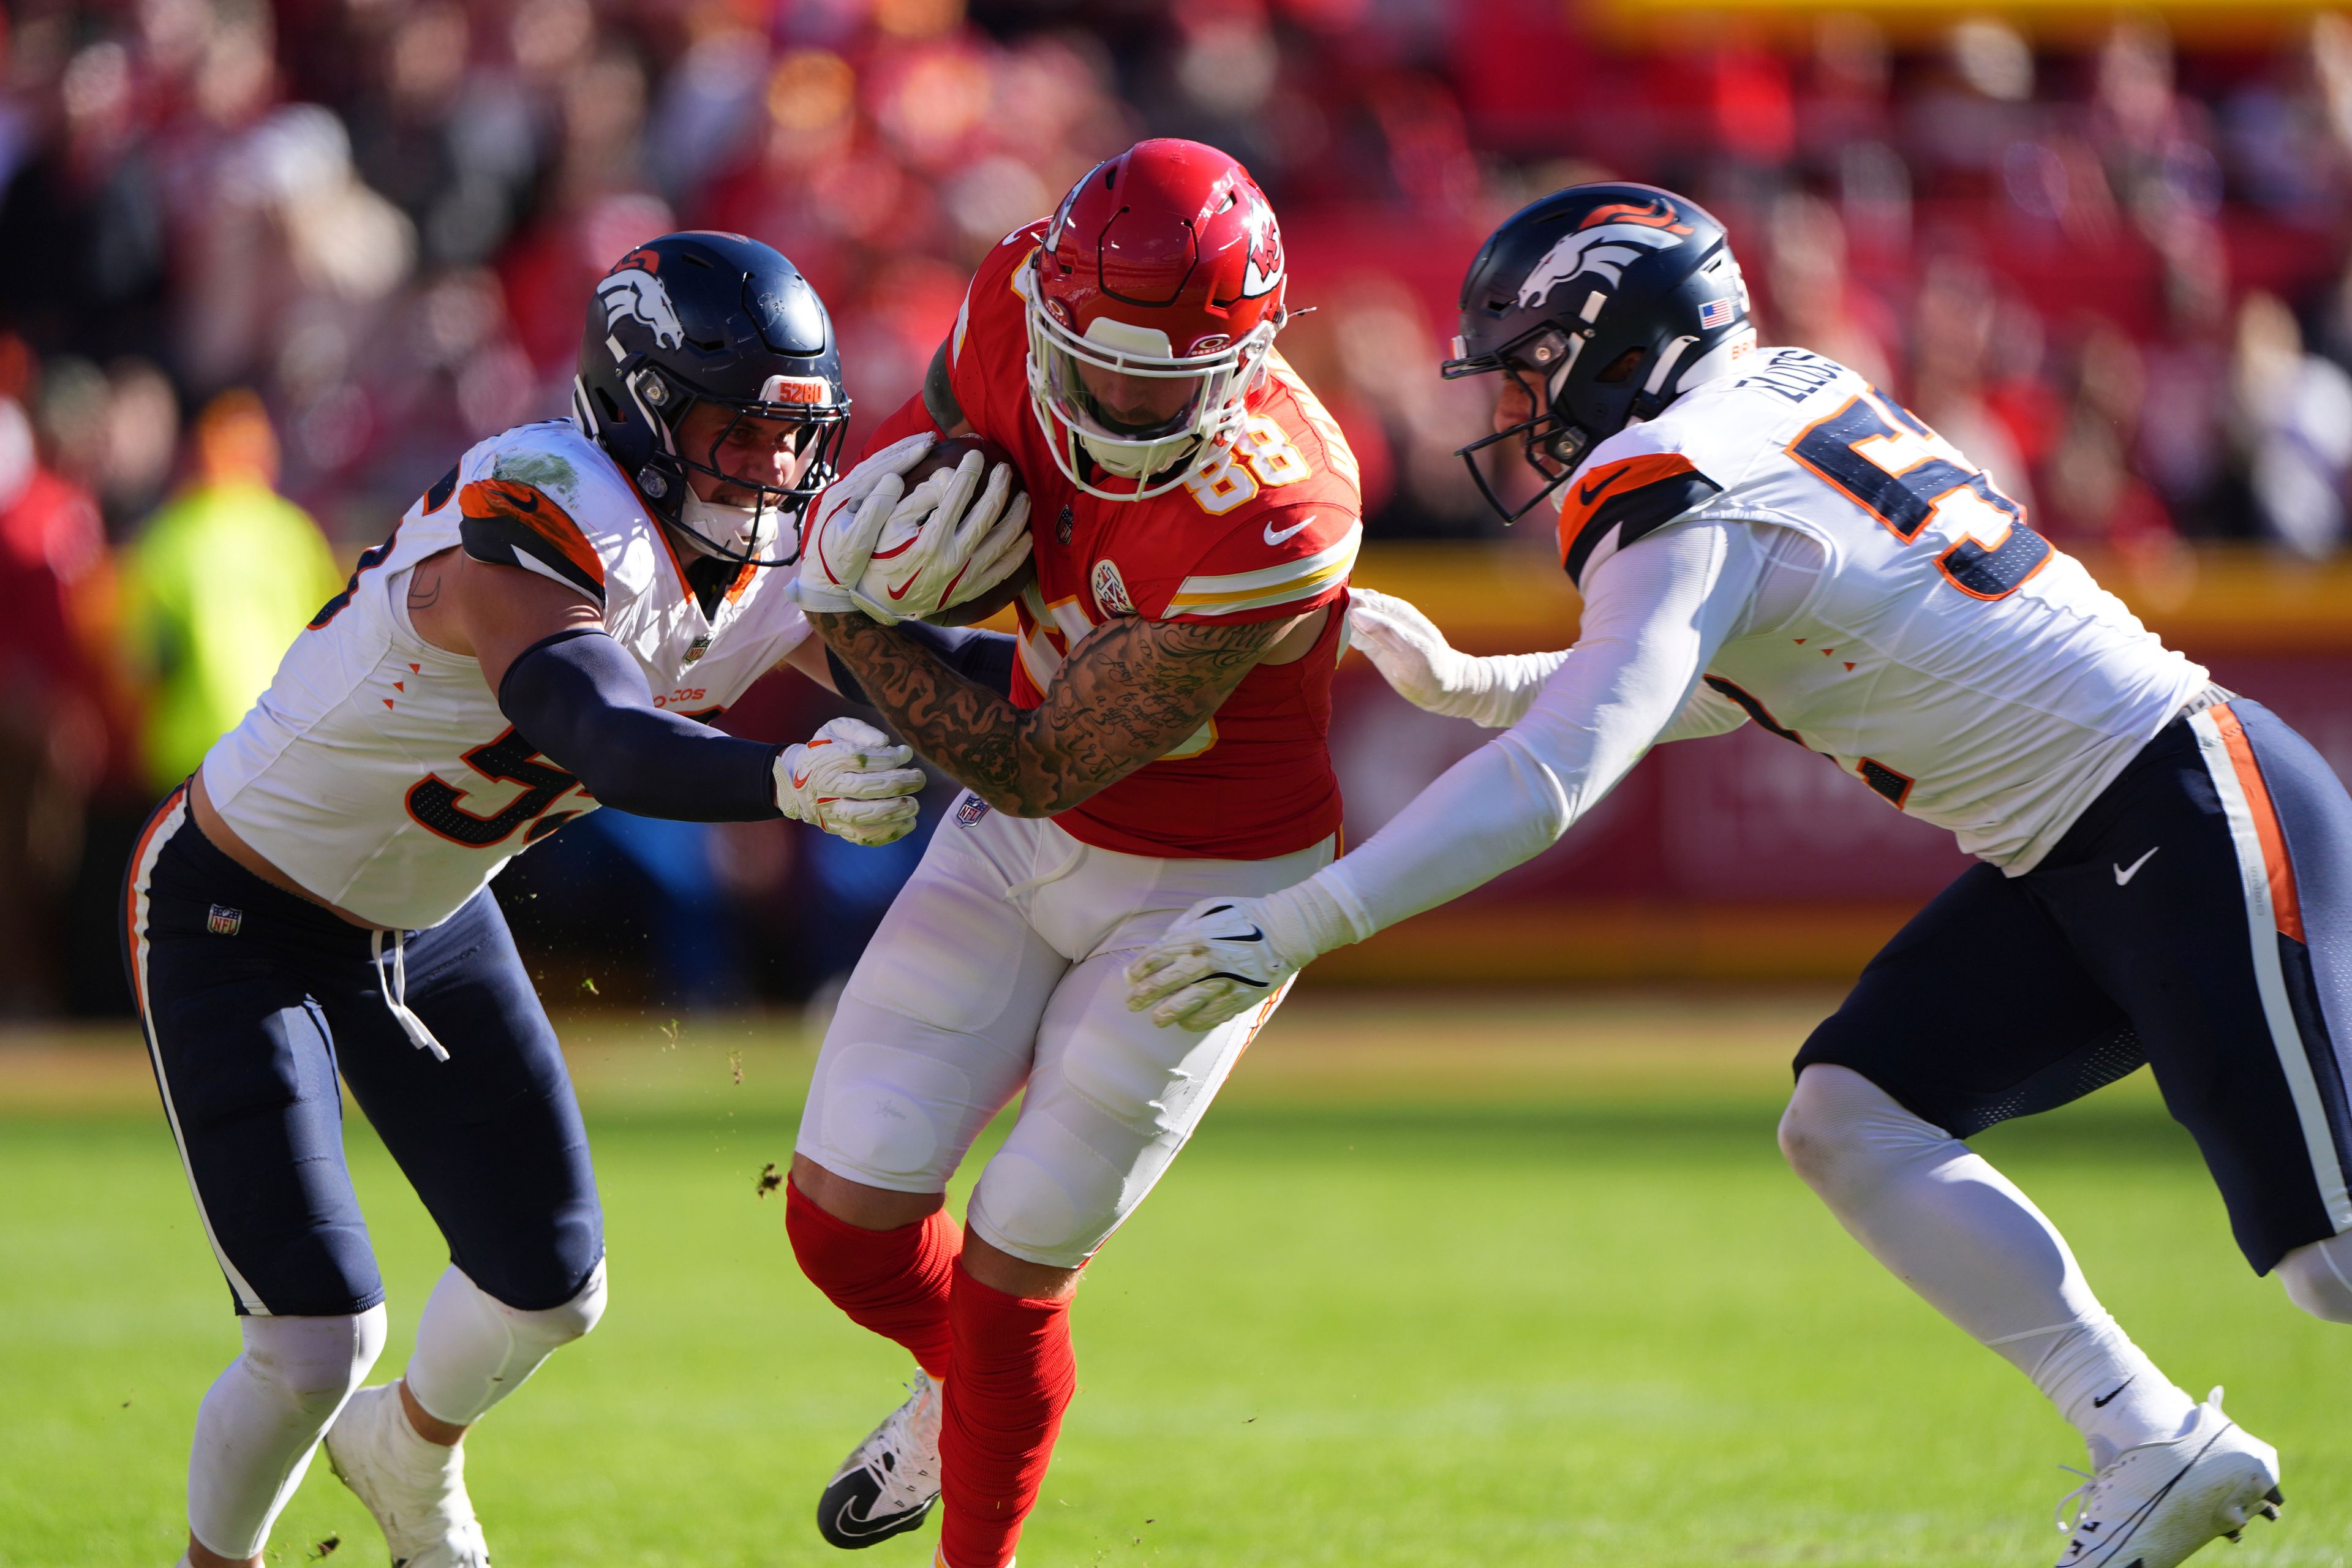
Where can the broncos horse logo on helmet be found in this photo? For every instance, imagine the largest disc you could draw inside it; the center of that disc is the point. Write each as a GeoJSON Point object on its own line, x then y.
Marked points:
{"type": "Point", "coordinates": [703, 317]}
{"type": "Point", "coordinates": [1605, 250]}
{"type": "Point", "coordinates": [632, 294]}
{"type": "Point", "coordinates": [1665, 309]}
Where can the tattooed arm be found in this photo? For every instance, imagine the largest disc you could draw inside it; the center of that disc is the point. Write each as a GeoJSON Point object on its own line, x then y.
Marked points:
{"type": "Point", "coordinates": [1126, 694]}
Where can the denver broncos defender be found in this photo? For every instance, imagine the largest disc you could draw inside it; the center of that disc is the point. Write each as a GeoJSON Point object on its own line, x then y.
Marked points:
{"type": "Point", "coordinates": [2166, 870]}
{"type": "Point", "coordinates": [538, 635]}
{"type": "Point", "coordinates": [1195, 515]}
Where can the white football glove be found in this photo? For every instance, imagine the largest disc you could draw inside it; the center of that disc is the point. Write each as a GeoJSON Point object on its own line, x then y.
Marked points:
{"type": "Point", "coordinates": [1222, 958]}
{"type": "Point", "coordinates": [850, 781]}
{"type": "Point", "coordinates": [1413, 657]}
{"type": "Point", "coordinates": [846, 522]}
{"type": "Point", "coordinates": [952, 538]}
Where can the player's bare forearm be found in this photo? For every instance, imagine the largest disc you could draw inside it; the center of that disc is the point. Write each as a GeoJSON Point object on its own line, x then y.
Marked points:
{"type": "Point", "coordinates": [940, 398]}
{"type": "Point", "coordinates": [1128, 693]}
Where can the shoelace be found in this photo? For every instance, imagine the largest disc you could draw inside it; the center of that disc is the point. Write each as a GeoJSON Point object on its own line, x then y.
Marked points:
{"type": "Point", "coordinates": [2088, 1493]}
{"type": "Point", "coordinates": [2085, 1495]}
{"type": "Point", "coordinates": [396, 993]}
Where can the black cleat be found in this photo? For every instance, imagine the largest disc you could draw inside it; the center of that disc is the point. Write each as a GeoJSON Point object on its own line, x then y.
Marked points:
{"type": "Point", "coordinates": [887, 1484]}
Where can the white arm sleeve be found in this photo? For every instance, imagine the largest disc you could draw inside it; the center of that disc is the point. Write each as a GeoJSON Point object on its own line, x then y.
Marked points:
{"type": "Point", "coordinates": [1654, 615]}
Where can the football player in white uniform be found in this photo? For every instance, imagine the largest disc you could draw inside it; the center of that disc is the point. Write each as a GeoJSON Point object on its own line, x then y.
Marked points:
{"type": "Point", "coordinates": [538, 635]}
{"type": "Point", "coordinates": [2167, 868]}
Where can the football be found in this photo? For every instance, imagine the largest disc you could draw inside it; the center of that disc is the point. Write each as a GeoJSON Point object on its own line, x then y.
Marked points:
{"type": "Point", "coordinates": [946, 454]}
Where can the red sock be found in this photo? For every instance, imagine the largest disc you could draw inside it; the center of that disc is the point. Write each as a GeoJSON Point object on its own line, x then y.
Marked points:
{"type": "Point", "coordinates": [894, 1282]}
{"type": "Point", "coordinates": [1013, 1374]}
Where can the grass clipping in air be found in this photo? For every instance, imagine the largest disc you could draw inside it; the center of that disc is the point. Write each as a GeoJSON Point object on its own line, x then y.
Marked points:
{"type": "Point", "coordinates": [1437, 1285]}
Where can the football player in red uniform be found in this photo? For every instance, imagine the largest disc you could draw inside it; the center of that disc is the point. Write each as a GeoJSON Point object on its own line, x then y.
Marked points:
{"type": "Point", "coordinates": [1195, 516]}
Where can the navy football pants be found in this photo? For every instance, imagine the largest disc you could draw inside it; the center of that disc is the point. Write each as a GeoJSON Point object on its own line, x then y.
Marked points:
{"type": "Point", "coordinates": [2198, 917]}
{"type": "Point", "coordinates": [253, 1001]}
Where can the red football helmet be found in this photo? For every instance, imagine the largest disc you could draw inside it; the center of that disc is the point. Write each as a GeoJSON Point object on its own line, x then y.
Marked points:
{"type": "Point", "coordinates": [1154, 303]}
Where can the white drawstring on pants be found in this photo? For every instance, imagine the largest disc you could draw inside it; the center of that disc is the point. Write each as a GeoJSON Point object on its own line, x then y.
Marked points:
{"type": "Point", "coordinates": [396, 993]}
{"type": "Point", "coordinates": [1077, 853]}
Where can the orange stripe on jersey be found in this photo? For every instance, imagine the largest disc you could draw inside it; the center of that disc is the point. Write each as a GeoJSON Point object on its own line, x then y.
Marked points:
{"type": "Point", "coordinates": [2286, 905]}
{"type": "Point", "coordinates": [1588, 494]}
{"type": "Point", "coordinates": [535, 510]}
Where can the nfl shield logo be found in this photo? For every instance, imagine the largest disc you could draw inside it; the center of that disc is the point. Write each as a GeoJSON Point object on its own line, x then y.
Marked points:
{"type": "Point", "coordinates": [225, 922]}
{"type": "Point", "coordinates": [1063, 524]}
{"type": "Point", "coordinates": [971, 810]}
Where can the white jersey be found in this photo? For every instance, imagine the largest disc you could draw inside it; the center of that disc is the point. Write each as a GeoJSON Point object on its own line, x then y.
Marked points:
{"type": "Point", "coordinates": [1927, 641]}
{"type": "Point", "coordinates": [379, 773]}
{"type": "Point", "coordinates": [1824, 564]}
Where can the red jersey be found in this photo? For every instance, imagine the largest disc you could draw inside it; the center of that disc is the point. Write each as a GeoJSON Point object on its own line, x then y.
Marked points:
{"type": "Point", "coordinates": [1268, 532]}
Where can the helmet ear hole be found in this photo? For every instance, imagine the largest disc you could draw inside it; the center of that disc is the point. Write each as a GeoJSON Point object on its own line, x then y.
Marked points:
{"type": "Point", "coordinates": [606, 405]}
{"type": "Point", "coordinates": [1623, 367]}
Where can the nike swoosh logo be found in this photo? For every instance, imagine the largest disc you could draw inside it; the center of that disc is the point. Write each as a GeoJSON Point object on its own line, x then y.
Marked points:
{"type": "Point", "coordinates": [848, 1523]}
{"type": "Point", "coordinates": [1254, 935]}
{"type": "Point", "coordinates": [1274, 538]}
{"type": "Point", "coordinates": [1587, 494]}
{"type": "Point", "coordinates": [2124, 875]}
{"type": "Point", "coordinates": [902, 593]}
{"type": "Point", "coordinates": [2101, 1404]}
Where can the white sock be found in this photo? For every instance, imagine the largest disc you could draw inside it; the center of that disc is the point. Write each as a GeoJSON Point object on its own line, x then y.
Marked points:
{"type": "Point", "coordinates": [473, 1349]}
{"type": "Point", "coordinates": [262, 1418]}
{"type": "Point", "coordinates": [1957, 1231]}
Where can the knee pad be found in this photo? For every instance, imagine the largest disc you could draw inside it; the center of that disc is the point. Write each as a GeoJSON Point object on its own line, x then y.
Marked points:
{"type": "Point", "coordinates": [1840, 1128]}
{"type": "Point", "coordinates": [886, 1116]}
{"type": "Point", "coordinates": [314, 1362]}
{"type": "Point", "coordinates": [1049, 1201]}
{"type": "Point", "coordinates": [473, 1349]}
{"type": "Point", "coordinates": [2318, 1277]}
{"type": "Point", "coordinates": [558, 1326]}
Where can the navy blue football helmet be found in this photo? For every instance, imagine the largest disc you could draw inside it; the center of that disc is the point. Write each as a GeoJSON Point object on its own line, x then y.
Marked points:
{"type": "Point", "coordinates": [702, 317]}
{"type": "Point", "coordinates": [1599, 300]}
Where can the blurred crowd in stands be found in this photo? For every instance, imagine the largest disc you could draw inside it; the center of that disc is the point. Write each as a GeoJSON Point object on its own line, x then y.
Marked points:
{"type": "Point", "coordinates": [264, 271]}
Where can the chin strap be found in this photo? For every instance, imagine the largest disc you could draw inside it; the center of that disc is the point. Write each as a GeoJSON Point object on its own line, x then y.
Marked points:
{"type": "Point", "coordinates": [396, 993]}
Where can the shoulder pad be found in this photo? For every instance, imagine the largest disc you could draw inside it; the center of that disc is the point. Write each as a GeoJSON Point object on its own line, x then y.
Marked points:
{"type": "Point", "coordinates": [510, 522]}
{"type": "Point", "coordinates": [1634, 483]}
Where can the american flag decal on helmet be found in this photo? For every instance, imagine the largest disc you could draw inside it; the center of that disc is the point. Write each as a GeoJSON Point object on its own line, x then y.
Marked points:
{"type": "Point", "coordinates": [1715, 313]}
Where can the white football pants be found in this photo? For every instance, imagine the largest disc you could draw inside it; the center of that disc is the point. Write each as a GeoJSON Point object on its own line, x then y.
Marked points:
{"type": "Point", "coordinates": [1002, 964]}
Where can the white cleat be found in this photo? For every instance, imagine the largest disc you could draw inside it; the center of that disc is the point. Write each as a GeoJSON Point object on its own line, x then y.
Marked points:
{"type": "Point", "coordinates": [889, 1481]}
{"type": "Point", "coordinates": [2156, 1504]}
{"type": "Point", "coordinates": [417, 1489]}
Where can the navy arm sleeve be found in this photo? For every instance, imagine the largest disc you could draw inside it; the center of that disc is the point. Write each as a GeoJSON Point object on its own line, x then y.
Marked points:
{"type": "Point", "coordinates": [581, 701]}
{"type": "Point", "coordinates": [985, 659]}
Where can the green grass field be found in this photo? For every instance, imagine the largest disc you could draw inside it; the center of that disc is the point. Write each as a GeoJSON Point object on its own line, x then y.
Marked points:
{"type": "Point", "coordinates": [1437, 1285]}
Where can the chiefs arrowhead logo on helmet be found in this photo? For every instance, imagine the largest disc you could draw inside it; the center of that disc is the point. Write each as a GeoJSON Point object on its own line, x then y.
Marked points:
{"type": "Point", "coordinates": [1262, 273]}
